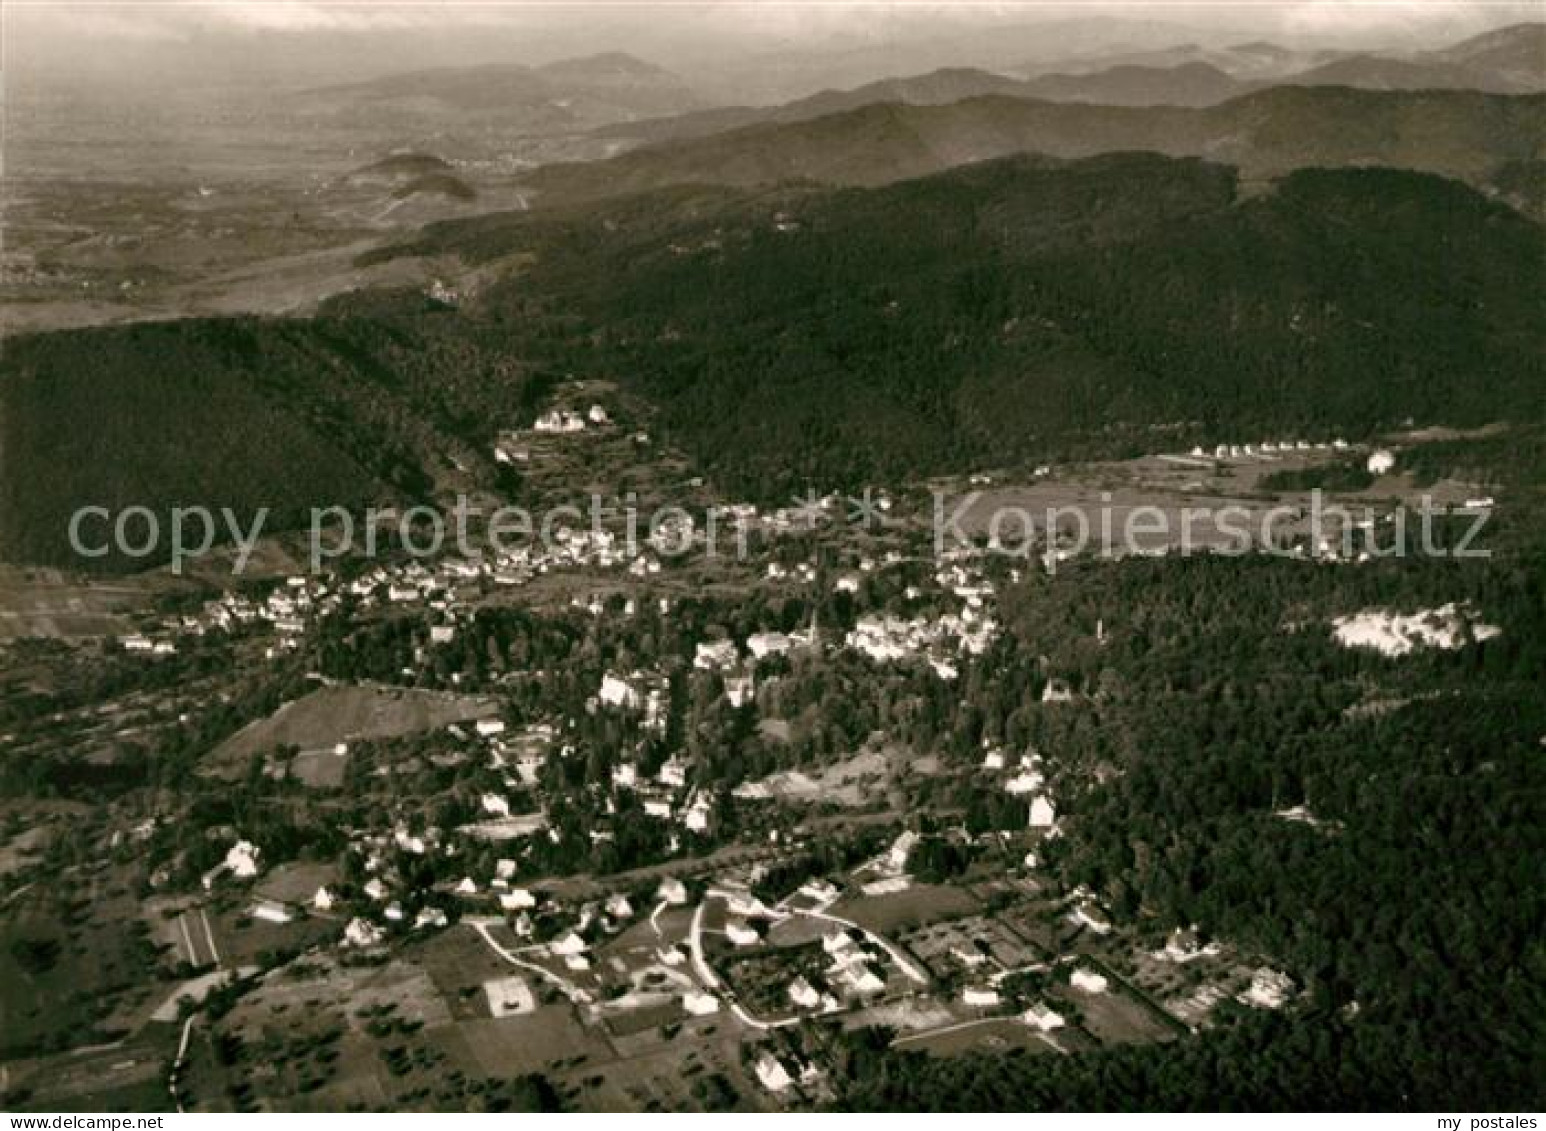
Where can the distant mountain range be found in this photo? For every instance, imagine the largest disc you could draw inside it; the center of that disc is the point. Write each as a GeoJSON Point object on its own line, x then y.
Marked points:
{"type": "Point", "coordinates": [933, 89]}
{"type": "Point", "coordinates": [1469, 136]}
{"type": "Point", "coordinates": [1507, 61]}
{"type": "Point", "coordinates": [569, 95]}
{"type": "Point", "coordinates": [1258, 60]}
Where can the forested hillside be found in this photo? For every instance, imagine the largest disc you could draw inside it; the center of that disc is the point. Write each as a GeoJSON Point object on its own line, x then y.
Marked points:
{"type": "Point", "coordinates": [361, 403]}
{"type": "Point", "coordinates": [1026, 309]}
{"type": "Point", "coordinates": [1019, 310]}
{"type": "Point", "coordinates": [1456, 133]}
{"type": "Point", "coordinates": [1407, 907]}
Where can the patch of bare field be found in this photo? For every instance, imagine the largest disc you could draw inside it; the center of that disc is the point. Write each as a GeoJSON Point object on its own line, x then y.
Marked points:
{"type": "Point", "coordinates": [92, 251]}
{"type": "Point", "coordinates": [656, 1072]}
{"type": "Point", "coordinates": [318, 721]}
{"type": "Point", "coordinates": [513, 1046]}
{"type": "Point", "coordinates": [1115, 1018]}
{"type": "Point", "coordinates": [907, 910]}
{"type": "Point", "coordinates": [1190, 492]}
{"type": "Point", "coordinates": [124, 1076]}
{"type": "Point", "coordinates": [51, 603]}
{"type": "Point", "coordinates": [851, 782]}
{"type": "Point", "coordinates": [992, 1035]}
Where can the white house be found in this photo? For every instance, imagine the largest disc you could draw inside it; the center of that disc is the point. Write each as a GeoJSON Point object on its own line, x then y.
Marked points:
{"type": "Point", "coordinates": [764, 644]}
{"type": "Point", "coordinates": [362, 933]}
{"type": "Point", "coordinates": [1184, 945]}
{"type": "Point", "coordinates": [981, 996]}
{"type": "Point", "coordinates": [242, 859]}
{"type": "Point", "coordinates": [1043, 814]}
{"type": "Point", "coordinates": [517, 899]}
{"type": "Point", "coordinates": [271, 911]}
{"type": "Point", "coordinates": [1057, 691]}
{"type": "Point", "coordinates": [618, 692]}
{"type": "Point", "coordinates": [697, 817]}
{"type": "Point", "coordinates": [559, 420]}
{"type": "Point", "coordinates": [672, 891]}
{"type": "Point", "coordinates": [323, 900]}
{"type": "Point", "coordinates": [901, 848]}
{"type": "Point", "coordinates": [820, 890]}
{"type": "Point", "coordinates": [803, 994]}
{"type": "Point", "coordinates": [740, 689]}
{"type": "Point", "coordinates": [719, 654]}
{"type": "Point", "coordinates": [700, 1004]}
{"type": "Point", "coordinates": [1381, 462]}
{"type": "Point", "coordinates": [742, 934]}
{"type": "Point", "coordinates": [771, 1073]}
{"type": "Point", "coordinates": [836, 942]}
{"type": "Point", "coordinates": [1092, 917]}
{"type": "Point", "coordinates": [1269, 989]}
{"type": "Point", "coordinates": [1088, 981]}
{"type": "Point", "coordinates": [1026, 781]}
{"type": "Point", "coordinates": [861, 979]}
{"type": "Point", "coordinates": [744, 903]}
{"type": "Point", "coordinates": [1044, 1017]}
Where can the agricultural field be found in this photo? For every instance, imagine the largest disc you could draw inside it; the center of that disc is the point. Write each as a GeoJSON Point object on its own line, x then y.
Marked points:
{"type": "Point", "coordinates": [319, 721]}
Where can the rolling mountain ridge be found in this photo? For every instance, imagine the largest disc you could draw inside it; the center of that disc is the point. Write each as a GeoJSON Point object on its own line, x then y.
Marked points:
{"type": "Point", "coordinates": [1458, 134]}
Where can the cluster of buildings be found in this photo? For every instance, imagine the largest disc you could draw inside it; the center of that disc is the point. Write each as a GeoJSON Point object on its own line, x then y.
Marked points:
{"type": "Point", "coordinates": [852, 963]}
{"type": "Point", "coordinates": [662, 795]}
{"type": "Point", "coordinates": [886, 638]}
{"type": "Point", "coordinates": [510, 445]}
{"type": "Point", "coordinates": [287, 610]}
{"type": "Point", "coordinates": [1447, 627]}
{"type": "Point", "coordinates": [781, 1070]}
{"type": "Point", "coordinates": [1025, 779]}
{"type": "Point", "coordinates": [1267, 449]}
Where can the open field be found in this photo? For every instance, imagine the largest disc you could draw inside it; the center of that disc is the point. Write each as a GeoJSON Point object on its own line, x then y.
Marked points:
{"type": "Point", "coordinates": [990, 1035]}
{"type": "Point", "coordinates": [91, 250]}
{"type": "Point", "coordinates": [124, 1076]}
{"type": "Point", "coordinates": [851, 782]}
{"type": "Point", "coordinates": [905, 910]}
{"type": "Point", "coordinates": [317, 722]}
{"type": "Point", "coordinates": [73, 974]}
{"type": "Point", "coordinates": [1116, 1017]}
{"type": "Point", "coordinates": [1206, 501]}
{"type": "Point", "coordinates": [49, 603]}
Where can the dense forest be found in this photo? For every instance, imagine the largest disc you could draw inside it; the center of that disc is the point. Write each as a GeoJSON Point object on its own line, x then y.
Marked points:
{"type": "Point", "coordinates": [369, 400]}
{"type": "Point", "coordinates": [1409, 905]}
{"type": "Point", "coordinates": [1027, 310]}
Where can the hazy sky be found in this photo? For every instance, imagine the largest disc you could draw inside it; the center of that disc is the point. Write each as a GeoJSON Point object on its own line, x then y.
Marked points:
{"type": "Point", "coordinates": [301, 41]}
